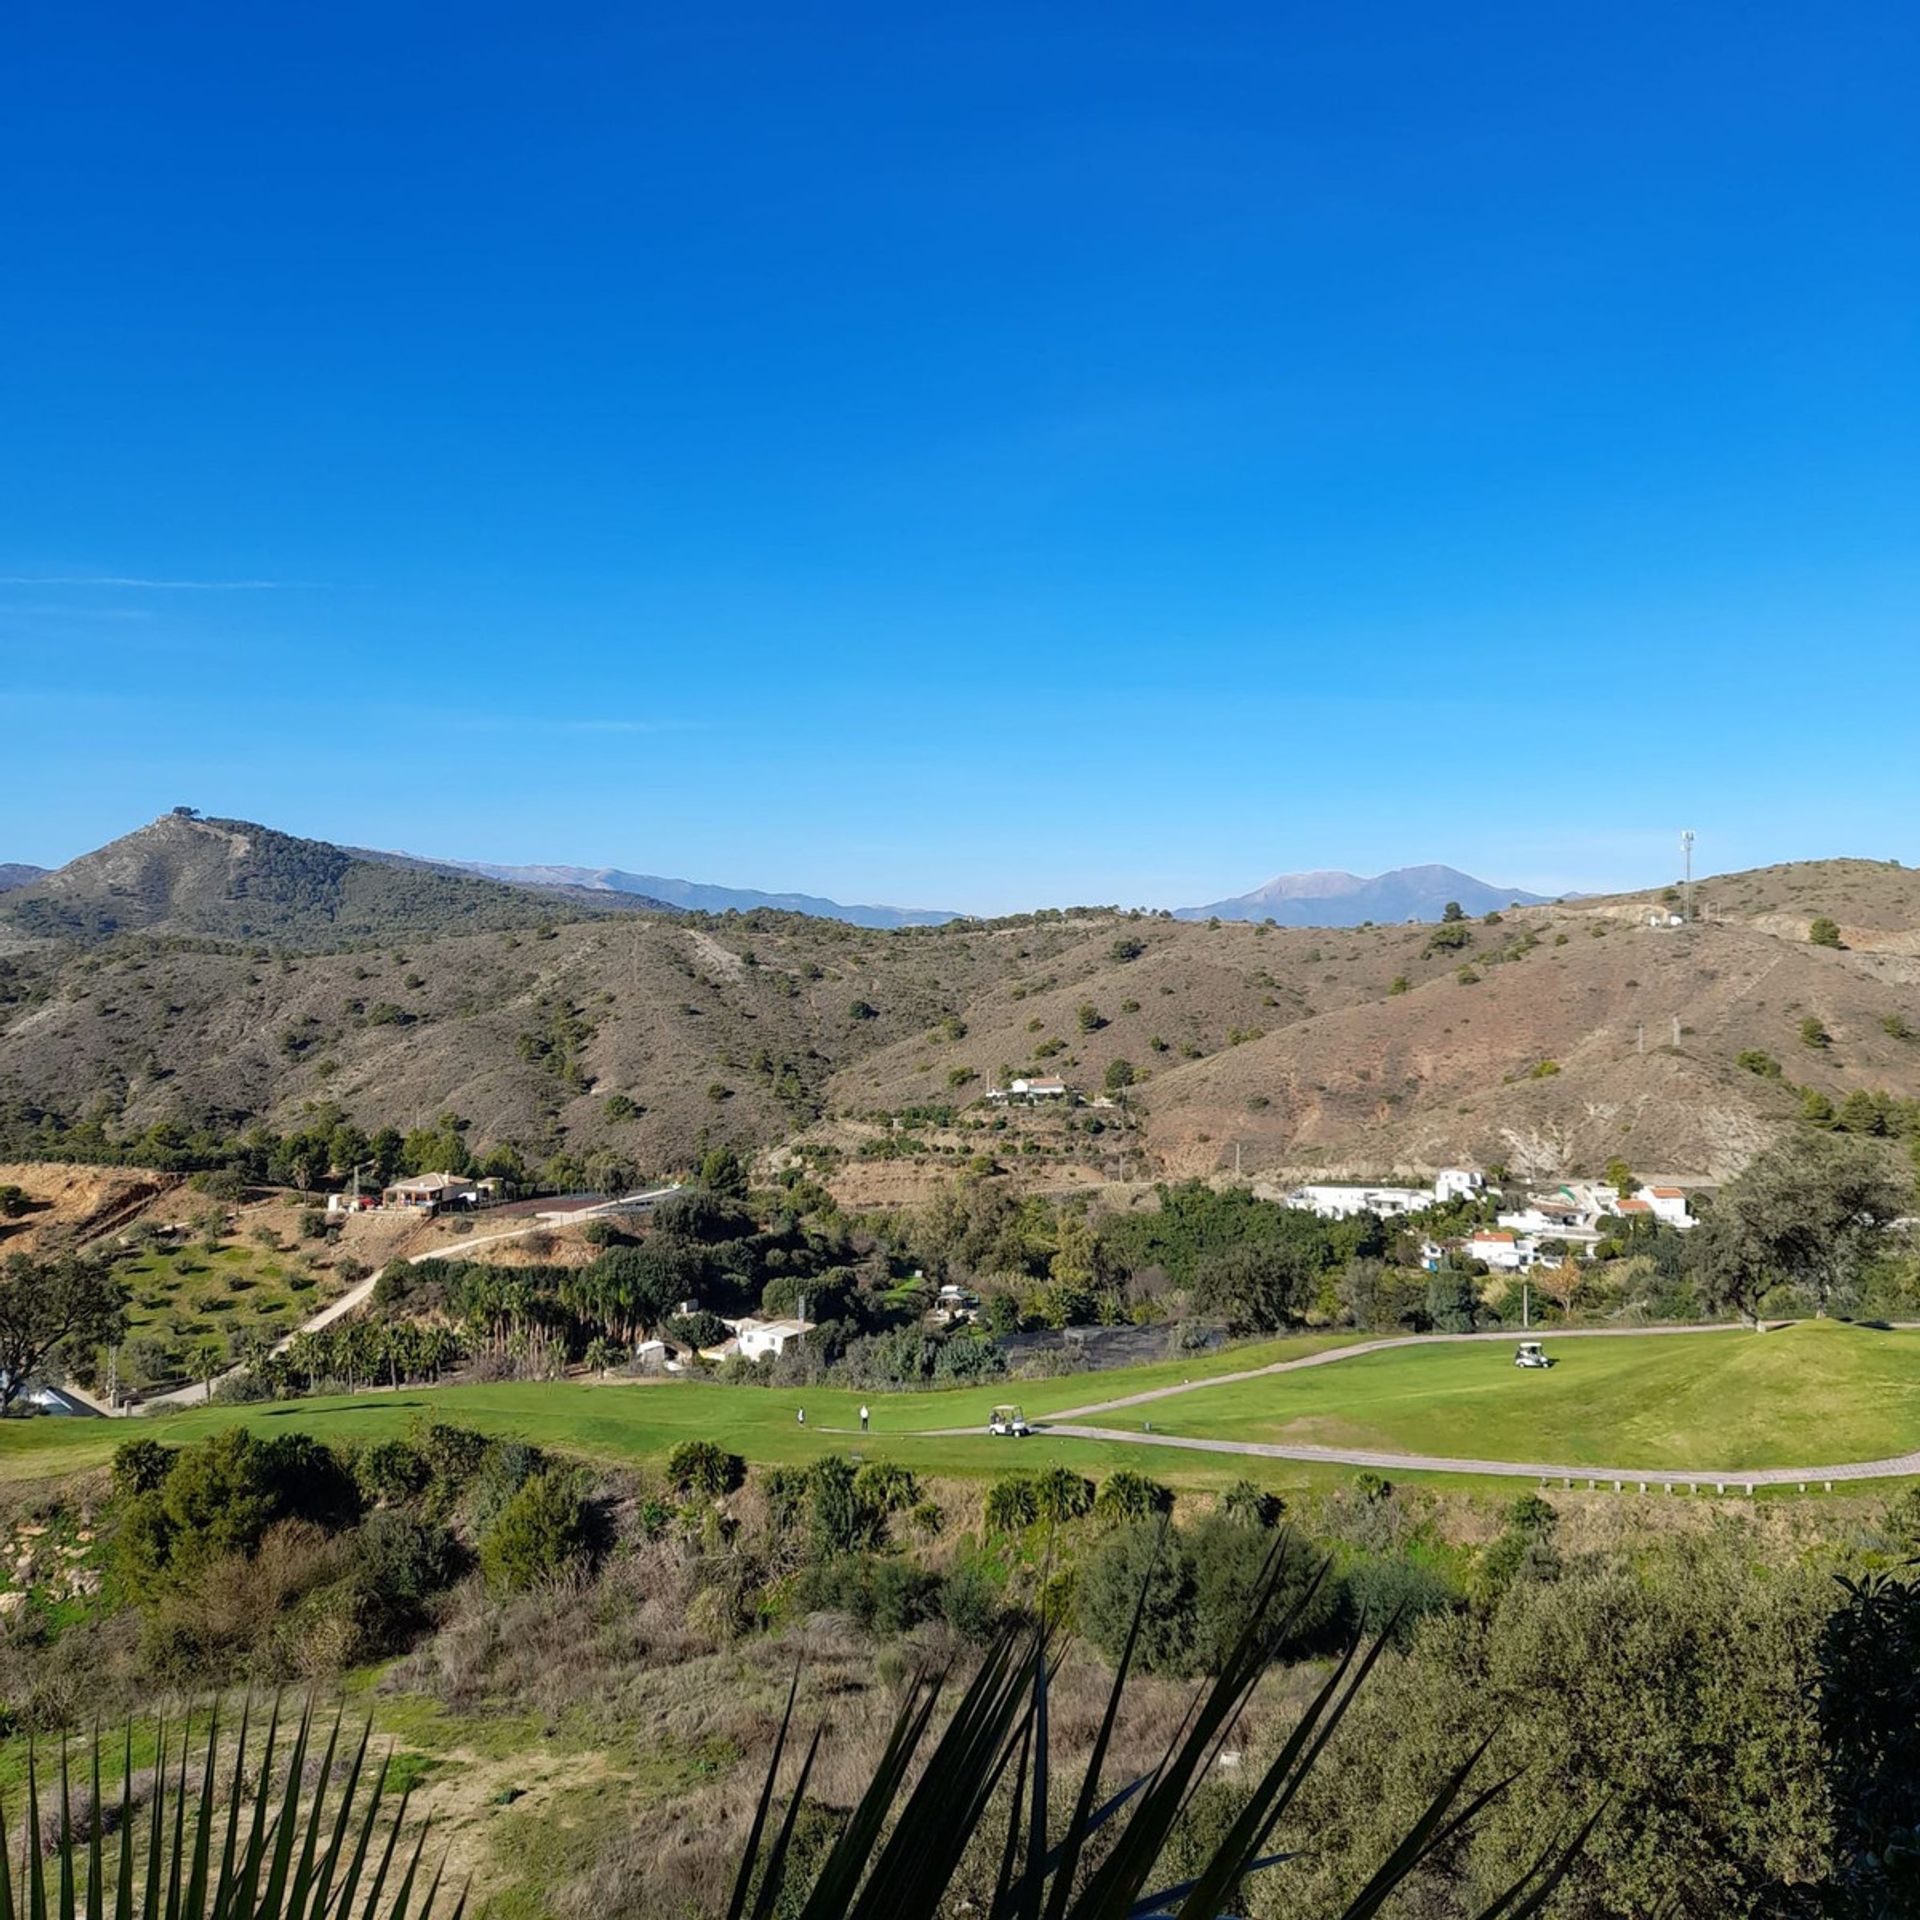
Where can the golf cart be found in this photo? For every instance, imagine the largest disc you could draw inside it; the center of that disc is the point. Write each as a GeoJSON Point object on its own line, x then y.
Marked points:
{"type": "Point", "coordinates": [1531, 1354]}
{"type": "Point", "coordinates": [1008, 1420]}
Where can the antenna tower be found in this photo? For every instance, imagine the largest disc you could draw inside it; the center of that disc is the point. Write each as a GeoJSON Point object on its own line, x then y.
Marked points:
{"type": "Point", "coordinates": [1686, 885]}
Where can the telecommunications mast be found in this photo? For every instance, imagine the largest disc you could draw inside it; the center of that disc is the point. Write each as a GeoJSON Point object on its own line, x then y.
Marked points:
{"type": "Point", "coordinates": [1686, 887]}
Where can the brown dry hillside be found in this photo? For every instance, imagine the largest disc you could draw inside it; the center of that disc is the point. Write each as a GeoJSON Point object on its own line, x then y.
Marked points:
{"type": "Point", "coordinates": [1361, 1050]}
{"type": "Point", "coordinates": [1604, 1036]}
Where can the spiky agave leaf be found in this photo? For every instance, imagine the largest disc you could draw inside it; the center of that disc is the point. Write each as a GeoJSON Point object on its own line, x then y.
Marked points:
{"type": "Point", "coordinates": [266, 1863]}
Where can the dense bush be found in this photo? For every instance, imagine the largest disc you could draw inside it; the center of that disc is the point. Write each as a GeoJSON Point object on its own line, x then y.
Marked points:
{"type": "Point", "coordinates": [704, 1468]}
{"type": "Point", "coordinates": [539, 1534]}
{"type": "Point", "coordinates": [839, 1520]}
{"type": "Point", "coordinates": [1199, 1583]}
{"type": "Point", "coordinates": [877, 1592]}
{"type": "Point", "coordinates": [219, 1498]}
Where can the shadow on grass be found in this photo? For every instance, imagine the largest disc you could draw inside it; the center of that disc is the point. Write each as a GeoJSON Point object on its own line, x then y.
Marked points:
{"type": "Point", "coordinates": [293, 1407]}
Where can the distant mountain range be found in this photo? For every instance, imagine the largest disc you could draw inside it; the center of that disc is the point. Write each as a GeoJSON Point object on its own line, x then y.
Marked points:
{"type": "Point", "coordinates": [235, 878]}
{"type": "Point", "coordinates": [1334, 899]}
{"type": "Point", "coordinates": [691, 896]}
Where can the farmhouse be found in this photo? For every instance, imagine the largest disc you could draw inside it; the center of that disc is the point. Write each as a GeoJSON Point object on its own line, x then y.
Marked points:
{"type": "Point", "coordinates": [753, 1338]}
{"type": "Point", "coordinates": [429, 1192]}
{"type": "Point", "coordinates": [1029, 1092]}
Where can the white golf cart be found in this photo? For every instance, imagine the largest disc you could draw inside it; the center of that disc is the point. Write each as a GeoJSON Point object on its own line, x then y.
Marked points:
{"type": "Point", "coordinates": [1008, 1421]}
{"type": "Point", "coordinates": [1531, 1354]}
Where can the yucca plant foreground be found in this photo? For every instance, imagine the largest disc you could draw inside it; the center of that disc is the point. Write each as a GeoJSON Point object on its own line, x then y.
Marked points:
{"type": "Point", "coordinates": [320, 1838]}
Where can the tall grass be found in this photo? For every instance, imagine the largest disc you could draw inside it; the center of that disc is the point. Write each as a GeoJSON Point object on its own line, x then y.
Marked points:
{"type": "Point", "coordinates": [300, 1854]}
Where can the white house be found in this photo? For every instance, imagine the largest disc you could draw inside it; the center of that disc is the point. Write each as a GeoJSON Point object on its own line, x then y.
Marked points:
{"type": "Point", "coordinates": [1667, 1205]}
{"type": "Point", "coordinates": [1340, 1202]}
{"type": "Point", "coordinates": [1031, 1091]}
{"type": "Point", "coordinates": [755, 1338]}
{"type": "Point", "coordinates": [1556, 1219]}
{"type": "Point", "coordinates": [1501, 1249]}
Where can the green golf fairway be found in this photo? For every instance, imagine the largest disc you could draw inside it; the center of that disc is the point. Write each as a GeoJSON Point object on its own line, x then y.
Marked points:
{"type": "Point", "coordinates": [627, 1421]}
{"type": "Point", "coordinates": [1812, 1395]}
{"type": "Point", "coordinates": [1816, 1394]}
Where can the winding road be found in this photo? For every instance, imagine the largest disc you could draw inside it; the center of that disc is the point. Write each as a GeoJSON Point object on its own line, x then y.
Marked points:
{"type": "Point", "coordinates": [1079, 1423]}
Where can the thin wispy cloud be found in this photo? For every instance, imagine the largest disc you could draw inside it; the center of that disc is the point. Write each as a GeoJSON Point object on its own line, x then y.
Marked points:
{"type": "Point", "coordinates": [133, 580]}
{"type": "Point", "coordinates": [516, 723]}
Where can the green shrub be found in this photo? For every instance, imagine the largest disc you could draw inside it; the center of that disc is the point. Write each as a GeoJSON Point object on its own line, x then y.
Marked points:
{"type": "Point", "coordinates": [1200, 1585]}
{"type": "Point", "coordinates": [540, 1534]}
{"type": "Point", "coordinates": [838, 1520]}
{"type": "Point", "coordinates": [885, 1486]}
{"type": "Point", "coordinates": [141, 1466]}
{"type": "Point", "coordinates": [401, 1562]}
{"type": "Point", "coordinates": [1823, 932]}
{"type": "Point", "coordinates": [704, 1468]}
{"type": "Point", "coordinates": [388, 1472]}
{"type": "Point", "coordinates": [453, 1454]}
{"type": "Point", "coordinates": [1251, 1506]}
{"type": "Point", "coordinates": [881, 1595]}
{"type": "Point", "coordinates": [971, 1604]}
{"type": "Point", "coordinates": [220, 1497]}
{"type": "Point", "coordinates": [504, 1469]}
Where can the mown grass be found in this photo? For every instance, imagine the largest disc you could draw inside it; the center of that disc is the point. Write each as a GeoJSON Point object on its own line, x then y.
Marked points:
{"type": "Point", "coordinates": [1815, 1394]}
{"type": "Point", "coordinates": [1819, 1393]}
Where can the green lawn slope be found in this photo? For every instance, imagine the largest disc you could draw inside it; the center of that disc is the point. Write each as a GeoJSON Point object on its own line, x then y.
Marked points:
{"type": "Point", "coordinates": [1817, 1394]}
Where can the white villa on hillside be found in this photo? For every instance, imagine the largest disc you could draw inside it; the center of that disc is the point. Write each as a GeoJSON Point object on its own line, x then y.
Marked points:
{"type": "Point", "coordinates": [753, 1338]}
{"type": "Point", "coordinates": [1502, 1249]}
{"type": "Point", "coordinates": [1029, 1091]}
{"type": "Point", "coordinates": [1667, 1205]}
{"type": "Point", "coordinates": [1341, 1199]}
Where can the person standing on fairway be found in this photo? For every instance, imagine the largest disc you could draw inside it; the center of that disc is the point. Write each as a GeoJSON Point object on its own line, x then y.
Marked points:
{"type": "Point", "coordinates": [863, 1419]}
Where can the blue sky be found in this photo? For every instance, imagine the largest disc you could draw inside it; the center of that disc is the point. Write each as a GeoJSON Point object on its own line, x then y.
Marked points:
{"type": "Point", "coordinates": [967, 456]}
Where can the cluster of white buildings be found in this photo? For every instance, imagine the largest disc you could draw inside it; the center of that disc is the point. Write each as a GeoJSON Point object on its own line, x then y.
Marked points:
{"type": "Point", "coordinates": [1574, 1214]}
{"type": "Point", "coordinates": [1338, 1200]}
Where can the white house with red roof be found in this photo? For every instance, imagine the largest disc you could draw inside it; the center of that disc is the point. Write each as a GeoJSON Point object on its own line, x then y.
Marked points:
{"type": "Point", "coordinates": [1668, 1205]}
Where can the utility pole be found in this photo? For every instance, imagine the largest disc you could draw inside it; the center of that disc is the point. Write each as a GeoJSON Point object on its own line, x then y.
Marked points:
{"type": "Point", "coordinates": [1236, 1159]}
{"type": "Point", "coordinates": [1640, 1045]}
{"type": "Point", "coordinates": [1526, 1306]}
